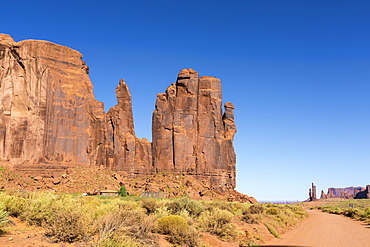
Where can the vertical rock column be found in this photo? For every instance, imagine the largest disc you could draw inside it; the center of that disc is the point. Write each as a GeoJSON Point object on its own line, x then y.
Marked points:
{"type": "Point", "coordinates": [185, 126]}
{"type": "Point", "coordinates": [190, 134]}
{"type": "Point", "coordinates": [125, 152]}
{"type": "Point", "coordinates": [312, 193]}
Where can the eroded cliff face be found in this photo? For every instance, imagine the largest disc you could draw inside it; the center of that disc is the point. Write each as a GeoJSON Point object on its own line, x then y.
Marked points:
{"type": "Point", "coordinates": [47, 105]}
{"type": "Point", "coordinates": [190, 134]}
{"type": "Point", "coordinates": [49, 115]}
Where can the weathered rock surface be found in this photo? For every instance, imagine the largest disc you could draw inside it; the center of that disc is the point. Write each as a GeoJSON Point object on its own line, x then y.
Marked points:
{"type": "Point", "coordinates": [190, 134]}
{"type": "Point", "coordinates": [47, 105]}
{"type": "Point", "coordinates": [50, 119]}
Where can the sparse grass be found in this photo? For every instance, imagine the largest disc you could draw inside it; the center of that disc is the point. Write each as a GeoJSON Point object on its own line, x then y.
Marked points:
{"type": "Point", "coordinates": [272, 230]}
{"type": "Point", "coordinates": [135, 221]}
{"type": "Point", "coordinates": [360, 208]}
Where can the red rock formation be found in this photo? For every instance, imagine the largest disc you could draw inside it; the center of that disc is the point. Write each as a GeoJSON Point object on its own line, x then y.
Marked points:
{"type": "Point", "coordinates": [323, 195]}
{"type": "Point", "coordinates": [48, 109]}
{"type": "Point", "coordinates": [312, 193]}
{"type": "Point", "coordinates": [190, 135]}
{"type": "Point", "coordinates": [127, 152]}
{"type": "Point", "coordinates": [346, 193]}
{"type": "Point", "coordinates": [49, 116]}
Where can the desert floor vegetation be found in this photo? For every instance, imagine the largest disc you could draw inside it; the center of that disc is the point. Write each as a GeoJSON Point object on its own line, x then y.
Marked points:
{"type": "Point", "coordinates": [356, 208]}
{"type": "Point", "coordinates": [135, 221]}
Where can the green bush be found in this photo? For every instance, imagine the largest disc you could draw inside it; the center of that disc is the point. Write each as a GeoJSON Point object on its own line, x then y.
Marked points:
{"type": "Point", "coordinates": [122, 191]}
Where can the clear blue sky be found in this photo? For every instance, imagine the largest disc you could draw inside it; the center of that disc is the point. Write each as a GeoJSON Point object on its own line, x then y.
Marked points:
{"type": "Point", "coordinates": [297, 71]}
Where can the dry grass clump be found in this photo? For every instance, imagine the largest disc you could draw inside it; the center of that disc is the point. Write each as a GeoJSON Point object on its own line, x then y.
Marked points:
{"type": "Point", "coordinates": [218, 222]}
{"type": "Point", "coordinates": [68, 225]}
{"type": "Point", "coordinates": [249, 218]}
{"type": "Point", "coordinates": [256, 209]}
{"type": "Point", "coordinates": [132, 223]}
{"type": "Point", "coordinates": [272, 211]}
{"type": "Point", "coordinates": [150, 205]}
{"type": "Point", "coordinates": [3, 218]}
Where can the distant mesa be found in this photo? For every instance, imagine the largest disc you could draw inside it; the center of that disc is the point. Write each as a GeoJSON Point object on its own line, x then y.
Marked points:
{"type": "Point", "coordinates": [50, 118]}
{"type": "Point", "coordinates": [344, 193]}
{"type": "Point", "coordinates": [347, 193]}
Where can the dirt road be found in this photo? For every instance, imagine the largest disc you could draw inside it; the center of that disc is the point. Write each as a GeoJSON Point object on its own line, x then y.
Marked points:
{"type": "Point", "coordinates": [326, 230]}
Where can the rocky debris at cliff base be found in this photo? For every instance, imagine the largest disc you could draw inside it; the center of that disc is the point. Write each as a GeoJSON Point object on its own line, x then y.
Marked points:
{"type": "Point", "coordinates": [92, 180]}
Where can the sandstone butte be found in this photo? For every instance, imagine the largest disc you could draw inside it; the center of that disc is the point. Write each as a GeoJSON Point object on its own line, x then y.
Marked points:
{"type": "Point", "coordinates": [49, 117]}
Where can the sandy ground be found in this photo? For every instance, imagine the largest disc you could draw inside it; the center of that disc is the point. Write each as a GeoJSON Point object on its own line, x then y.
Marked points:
{"type": "Point", "coordinates": [326, 230]}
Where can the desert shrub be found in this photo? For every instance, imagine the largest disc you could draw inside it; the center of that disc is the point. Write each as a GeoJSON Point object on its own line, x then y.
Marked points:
{"type": "Point", "coordinates": [172, 224]}
{"type": "Point", "coordinates": [229, 232]}
{"type": "Point", "coordinates": [248, 242]}
{"type": "Point", "coordinates": [68, 225]}
{"type": "Point", "coordinates": [122, 191]}
{"type": "Point", "coordinates": [221, 205]}
{"type": "Point", "coordinates": [193, 207]}
{"type": "Point", "coordinates": [132, 223]}
{"type": "Point", "coordinates": [249, 218]}
{"type": "Point", "coordinates": [350, 212]}
{"type": "Point", "coordinates": [162, 211]}
{"type": "Point", "coordinates": [180, 233]}
{"type": "Point", "coordinates": [256, 209]}
{"type": "Point", "coordinates": [272, 230]}
{"type": "Point", "coordinates": [40, 209]}
{"type": "Point", "coordinates": [239, 208]}
{"type": "Point", "coordinates": [117, 240]}
{"type": "Point", "coordinates": [14, 205]}
{"type": "Point", "coordinates": [150, 205]}
{"type": "Point", "coordinates": [189, 237]}
{"type": "Point", "coordinates": [272, 211]}
{"type": "Point", "coordinates": [215, 219]}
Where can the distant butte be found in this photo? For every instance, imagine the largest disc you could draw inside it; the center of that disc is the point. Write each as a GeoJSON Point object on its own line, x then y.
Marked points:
{"type": "Point", "coordinates": [50, 118]}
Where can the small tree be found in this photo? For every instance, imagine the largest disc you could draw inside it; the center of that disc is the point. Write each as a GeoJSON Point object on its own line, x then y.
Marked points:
{"type": "Point", "coordinates": [122, 191]}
